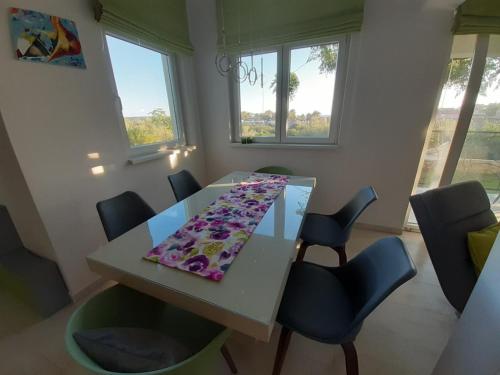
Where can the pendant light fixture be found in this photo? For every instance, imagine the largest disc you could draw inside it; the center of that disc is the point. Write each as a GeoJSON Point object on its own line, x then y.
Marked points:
{"type": "Point", "coordinates": [234, 66]}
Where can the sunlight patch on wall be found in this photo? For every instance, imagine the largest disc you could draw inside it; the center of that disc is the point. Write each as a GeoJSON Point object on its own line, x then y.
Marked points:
{"type": "Point", "coordinates": [97, 170]}
{"type": "Point", "coordinates": [174, 160]}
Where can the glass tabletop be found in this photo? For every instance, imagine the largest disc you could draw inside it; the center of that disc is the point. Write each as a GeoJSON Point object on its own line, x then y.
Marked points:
{"type": "Point", "coordinates": [248, 296]}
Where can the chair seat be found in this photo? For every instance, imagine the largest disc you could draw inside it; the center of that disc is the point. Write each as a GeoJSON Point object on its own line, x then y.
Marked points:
{"type": "Point", "coordinates": [322, 230]}
{"type": "Point", "coordinates": [29, 267]}
{"type": "Point", "coordinates": [316, 305]}
{"type": "Point", "coordinates": [36, 279]}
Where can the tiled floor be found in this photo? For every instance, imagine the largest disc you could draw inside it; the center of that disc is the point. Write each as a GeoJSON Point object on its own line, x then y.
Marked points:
{"type": "Point", "coordinates": [405, 335]}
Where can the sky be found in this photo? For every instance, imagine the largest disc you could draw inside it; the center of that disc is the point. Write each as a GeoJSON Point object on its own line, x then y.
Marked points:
{"type": "Point", "coordinates": [139, 78]}
{"type": "Point", "coordinates": [141, 86]}
{"type": "Point", "coordinates": [315, 91]}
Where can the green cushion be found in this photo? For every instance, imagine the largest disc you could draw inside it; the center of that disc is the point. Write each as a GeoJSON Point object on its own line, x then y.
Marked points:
{"type": "Point", "coordinates": [275, 170]}
{"type": "Point", "coordinates": [480, 244]}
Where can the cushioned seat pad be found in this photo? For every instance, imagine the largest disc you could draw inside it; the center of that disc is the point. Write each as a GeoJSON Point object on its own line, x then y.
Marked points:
{"type": "Point", "coordinates": [316, 305]}
{"type": "Point", "coordinates": [128, 350]}
{"type": "Point", "coordinates": [28, 266]}
{"type": "Point", "coordinates": [322, 230]}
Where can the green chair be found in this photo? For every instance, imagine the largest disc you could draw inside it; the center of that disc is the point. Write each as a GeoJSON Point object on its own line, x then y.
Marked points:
{"type": "Point", "coordinates": [275, 170]}
{"type": "Point", "coordinates": [120, 306]}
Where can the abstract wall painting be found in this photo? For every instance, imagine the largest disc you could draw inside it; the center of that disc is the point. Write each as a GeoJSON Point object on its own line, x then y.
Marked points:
{"type": "Point", "coordinates": [40, 37]}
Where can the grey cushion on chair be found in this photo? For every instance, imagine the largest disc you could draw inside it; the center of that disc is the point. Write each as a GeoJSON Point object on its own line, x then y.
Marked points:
{"type": "Point", "coordinates": [39, 278]}
{"type": "Point", "coordinates": [124, 349]}
{"type": "Point", "coordinates": [445, 216]}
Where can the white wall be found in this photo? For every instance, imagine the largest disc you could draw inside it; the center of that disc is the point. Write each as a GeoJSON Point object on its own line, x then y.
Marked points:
{"type": "Point", "coordinates": [395, 66]}
{"type": "Point", "coordinates": [15, 195]}
{"type": "Point", "coordinates": [55, 116]}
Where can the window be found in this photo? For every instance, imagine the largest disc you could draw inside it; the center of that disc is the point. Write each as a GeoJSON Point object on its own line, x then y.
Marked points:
{"type": "Point", "coordinates": [146, 87]}
{"type": "Point", "coordinates": [297, 97]}
{"type": "Point", "coordinates": [258, 102]}
{"type": "Point", "coordinates": [463, 140]}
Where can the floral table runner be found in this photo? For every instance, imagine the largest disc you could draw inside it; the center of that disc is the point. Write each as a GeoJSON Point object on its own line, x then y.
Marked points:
{"type": "Point", "coordinates": [208, 243]}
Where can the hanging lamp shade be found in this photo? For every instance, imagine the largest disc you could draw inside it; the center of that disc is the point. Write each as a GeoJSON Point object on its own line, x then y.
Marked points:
{"type": "Point", "coordinates": [258, 24]}
{"type": "Point", "coordinates": [159, 23]}
{"type": "Point", "coordinates": [478, 17]}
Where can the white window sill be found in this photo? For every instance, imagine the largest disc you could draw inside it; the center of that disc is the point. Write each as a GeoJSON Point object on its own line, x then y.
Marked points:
{"type": "Point", "coordinates": [284, 146]}
{"type": "Point", "coordinates": [142, 158]}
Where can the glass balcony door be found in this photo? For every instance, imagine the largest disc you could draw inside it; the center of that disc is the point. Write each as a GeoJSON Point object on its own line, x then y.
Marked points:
{"type": "Point", "coordinates": [463, 140]}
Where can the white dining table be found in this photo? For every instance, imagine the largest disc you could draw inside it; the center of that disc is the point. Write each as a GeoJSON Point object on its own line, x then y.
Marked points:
{"type": "Point", "coordinates": [248, 297]}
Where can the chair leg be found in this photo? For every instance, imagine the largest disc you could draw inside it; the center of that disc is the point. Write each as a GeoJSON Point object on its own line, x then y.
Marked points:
{"type": "Point", "coordinates": [342, 254]}
{"type": "Point", "coordinates": [351, 358]}
{"type": "Point", "coordinates": [285, 336]}
{"type": "Point", "coordinates": [302, 251]}
{"type": "Point", "coordinates": [229, 359]}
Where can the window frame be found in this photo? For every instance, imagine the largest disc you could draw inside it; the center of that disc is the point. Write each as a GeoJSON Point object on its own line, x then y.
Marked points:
{"type": "Point", "coordinates": [172, 87]}
{"type": "Point", "coordinates": [282, 101]}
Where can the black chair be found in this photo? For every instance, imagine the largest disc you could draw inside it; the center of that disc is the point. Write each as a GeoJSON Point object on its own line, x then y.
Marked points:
{"type": "Point", "coordinates": [126, 211]}
{"type": "Point", "coordinates": [122, 213]}
{"type": "Point", "coordinates": [329, 304]}
{"type": "Point", "coordinates": [444, 216]}
{"type": "Point", "coordinates": [334, 230]}
{"type": "Point", "coordinates": [183, 184]}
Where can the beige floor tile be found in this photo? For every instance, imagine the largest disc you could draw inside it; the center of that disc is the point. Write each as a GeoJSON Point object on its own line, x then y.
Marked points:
{"type": "Point", "coordinates": [405, 335]}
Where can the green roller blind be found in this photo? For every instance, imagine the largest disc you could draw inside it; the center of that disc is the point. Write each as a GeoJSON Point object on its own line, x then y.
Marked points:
{"type": "Point", "coordinates": [478, 17]}
{"type": "Point", "coordinates": [159, 23]}
{"type": "Point", "coordinates": [254, 24]}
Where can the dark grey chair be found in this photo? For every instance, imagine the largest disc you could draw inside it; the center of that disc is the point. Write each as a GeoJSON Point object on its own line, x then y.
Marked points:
{"type": "Point", "coordinates": [36, 280]}
{"type": "Point", "coordinates": [329, 304]}
{"type": "Point", "coordinates": [183, 184]}
{"type": "Point", "coordinates": [334, 230]}
{"type": "Point", "coordinates": [122, 213]}
{"type": "Point", "coordinates": [444, 216]}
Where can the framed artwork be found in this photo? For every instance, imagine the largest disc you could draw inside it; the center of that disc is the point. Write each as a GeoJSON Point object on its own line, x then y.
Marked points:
{"type": "Point", "coordinates": [43, 38]}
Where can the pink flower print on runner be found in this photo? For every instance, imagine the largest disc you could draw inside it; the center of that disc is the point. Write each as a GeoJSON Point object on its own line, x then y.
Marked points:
{"type": "Point", "coordinates": [209, 242]}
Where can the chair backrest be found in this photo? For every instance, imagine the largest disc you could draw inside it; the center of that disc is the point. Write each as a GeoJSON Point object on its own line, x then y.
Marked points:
{"type": "Point", "coordinates": [374, 274]}
{"type": "Point", "coordinates": [444, 216]}
{"type": "Point", "coordinates": [120, 306]}
{"type": "Point", "coordinates": [273, 169]}
{"type": "Point", "coordinates": [183, 184]}
{"type": "Point", "coordinates": [348, 214]}
{"type": "Point", "coordinates": [9, 238]}
{"type": "Point", "coordinates": [122, 213]}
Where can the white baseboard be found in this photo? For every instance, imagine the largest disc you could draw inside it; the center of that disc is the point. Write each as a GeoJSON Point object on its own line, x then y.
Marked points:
{"type": "Point", "coordinates": [88, 290]}
{"type": "Point", "coordinates": [379, 228]}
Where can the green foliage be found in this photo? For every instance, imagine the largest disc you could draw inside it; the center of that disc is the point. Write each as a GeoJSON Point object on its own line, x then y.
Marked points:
{"type": "Point", "coordinates": [155, 128]}
{"type": "Point", "coordinates": [250, 130]}
{"type": "Point", "coordinates": [310, 125]}
{"type": "Point", "coordinates": [479, 159]}
{"type": "Point", "coordinates": [459, 71]}
{"type": "Point", "coordinates": [327, 55]}
{"type": "Point", "coordinates": [293, 85]}
{"type": "Point", "coordinates": [492, 72]}
{"type": "Point", "coordinates": [246, 140]}
{"type": "Point", "coordinates": [263, 125]}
